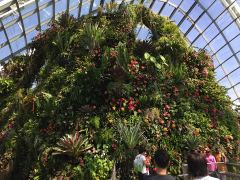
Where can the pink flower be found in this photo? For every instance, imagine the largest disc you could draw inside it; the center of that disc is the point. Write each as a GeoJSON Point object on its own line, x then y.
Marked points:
{"type": "Point", "coordinates": [166, 114]}
{"type": "Point", "coordinates": [167, 107]}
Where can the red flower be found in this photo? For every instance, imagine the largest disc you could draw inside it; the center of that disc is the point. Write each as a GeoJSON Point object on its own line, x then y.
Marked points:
{"type": "Point", "coordinates": [114, 146]}
{"type": "Point", "coordinates": [196, 93]}
{"type": "Point", "coordinates": [131, 107]}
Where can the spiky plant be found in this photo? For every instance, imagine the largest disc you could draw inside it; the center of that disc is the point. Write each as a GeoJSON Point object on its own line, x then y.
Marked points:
{"type": "Point", "coordinates": [72, 145]}
{"type": "Point", "coordinates": [93, 36]}
{"type": "Point", "coordinates": [131, 135]}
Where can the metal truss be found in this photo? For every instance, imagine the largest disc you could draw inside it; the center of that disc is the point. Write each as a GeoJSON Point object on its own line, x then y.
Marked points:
{"type": "Point", "coordinates": [15, 8]}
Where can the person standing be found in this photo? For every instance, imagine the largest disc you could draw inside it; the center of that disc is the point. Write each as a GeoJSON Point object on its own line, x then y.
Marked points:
{"type": "Point", "coordinates": [161, 161]}
{"type": "Point", "coordinates": [211, 161]}
{"type": "Point", "coordinates": [140, 163]}
{"type": "Point", "coordinates": [221, 166]}
{"type": "Point", "coordinates": [197, 167]}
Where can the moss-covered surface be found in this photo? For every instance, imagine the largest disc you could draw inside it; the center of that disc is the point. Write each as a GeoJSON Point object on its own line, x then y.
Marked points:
{"type": "Point", "coordinates": [94, 81]}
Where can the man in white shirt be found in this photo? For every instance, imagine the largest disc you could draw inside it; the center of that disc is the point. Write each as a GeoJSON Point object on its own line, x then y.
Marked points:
{"type": "Point", "coordinates": [140, 163]}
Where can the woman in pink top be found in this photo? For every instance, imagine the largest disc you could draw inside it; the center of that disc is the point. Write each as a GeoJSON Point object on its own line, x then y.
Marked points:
{"type": "Point", "coordinates": [211, 161]}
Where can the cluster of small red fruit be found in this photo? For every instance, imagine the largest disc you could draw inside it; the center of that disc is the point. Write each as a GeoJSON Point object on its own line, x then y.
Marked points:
{"type": "Point", "coordinates": [167, 116]}
{"type": "Point", "coordinates": [134, 67]}
{"type": "Point", "coordinates": [123, 104]}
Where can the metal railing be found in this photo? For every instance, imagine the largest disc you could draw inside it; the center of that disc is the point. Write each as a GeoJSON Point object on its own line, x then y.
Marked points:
{"type": "Point", "coordinates": [232, 172]}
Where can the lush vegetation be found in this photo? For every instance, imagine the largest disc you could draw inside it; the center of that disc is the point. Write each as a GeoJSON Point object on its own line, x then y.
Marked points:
{"type": "Point", "coordinates": [90, 93]}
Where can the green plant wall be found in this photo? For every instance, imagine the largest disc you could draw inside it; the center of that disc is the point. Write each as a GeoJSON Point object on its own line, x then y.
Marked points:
{"type": "Point", "coordinates": [90, 93]}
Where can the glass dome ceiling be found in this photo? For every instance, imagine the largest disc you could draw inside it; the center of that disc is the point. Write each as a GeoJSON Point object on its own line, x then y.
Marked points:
{"type": "Point", "coordinates": [210, 24]}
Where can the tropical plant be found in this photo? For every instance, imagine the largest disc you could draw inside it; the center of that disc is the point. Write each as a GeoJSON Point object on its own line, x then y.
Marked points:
{"type": "Point", "coordinates": [95, 72]}
{"type": "Point", "coordinates": [159, 63]}
{"type": "Point", "coordinates": [62, 43]}
{"type": "Point", "coordinates": [131, 134]}
{"type": "Point", "coordinates": [73, 145]}
{"type": "Point", "coordinates": [92, 35]}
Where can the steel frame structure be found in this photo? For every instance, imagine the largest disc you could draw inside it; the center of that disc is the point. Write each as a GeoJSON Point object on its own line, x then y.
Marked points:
{"type": "Point", "coordinates": [15, 8]}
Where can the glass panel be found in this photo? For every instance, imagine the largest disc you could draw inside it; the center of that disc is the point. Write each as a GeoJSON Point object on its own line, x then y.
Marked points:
{"type": "Point", "coordinates": [46, 13]}
{"type": "Point", "coordinates": [143, 33]}
{"type": "Point", "coordinates": [187, 4]}
{"type": "Point", "coordinates": [224, 82]}
{"type": "Point", "coordinates": [238, 56]}
{"type": "Point", "coordinates": [74, 12]}
{"type": "Point", "coordinates": [4, 52]}
{"type": "Point", "coordinates": [230, 65]}
{"type": "Point", "coordinates": [96, 4]}
{"type": "Point", "coordinates": [215, 62]}
{"type": "Point", "coordinates": [157, 6]}
{"type": "Point", "coordinates": [31, 35]}
{"type": "Point", "coordinates": [205, 3]}
{"type": "Point", "coordinates": [61, 6]}
{"type": "Point", "coordinates": [41, 2]}
{"type": "Point", "coordinates": [28, 8]}
{"type": "Point", "coordinates": [14, 30]}
{"type": "Point", "coordinates": [235, 44]}
{"type": "Point", "coordinates": [209, 49]}
{"type": "Point", "coordinates": [237, 89]}
{"type": "Point", "coordinates": [216, 9]}
{"type": "Point", "coordinates": [73, 3]}
{"type": "Point", "coordinates": [167, 10]}
{"type": "Point", "coordinates": [45, 26]}
{"type": "Point", "coordinates": [196, 12]}
{"type": "Point", "coordinates": [218, 42]}
{"type": "Point", "coordinates": [2, 37]}
{"type": "Point", "coordinates": [200, 42]}
{"type": "Point", "coordinates": [231, 31]}
{"type": "Point", "coordinates": [18, 44]}
{"type": "Point", "coordinates": [185, 25]}
{"type": "Point", "coordinates": [10, 18]}
{"type": "Point", "coordinates": [204, 21]}
{"type": "Point", "coordinates": [193, 34]}
{"type": "Point", "coordinates": [211, 32]}
{"type": "Point", "coordinates": [177, 17]}
{"type": "Point", "coordinates": [224, 20]}
{"type": "Point", "coordinates": [85, 8]}
{"type": "Point", "coordinates": [30, 21]}
{"type": "Point", "coordinates": [176, 2]}
{"type": "Point", "coordinates": [146, 3]}
{"type": "Point", "coordinates": [234, 76]}
{"type": "Point", "coordinates": [232, 94]}
{"type": "Point", "coordinates": [224, 53]}
{"type": "Point", "coordinates": [219, 73]}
